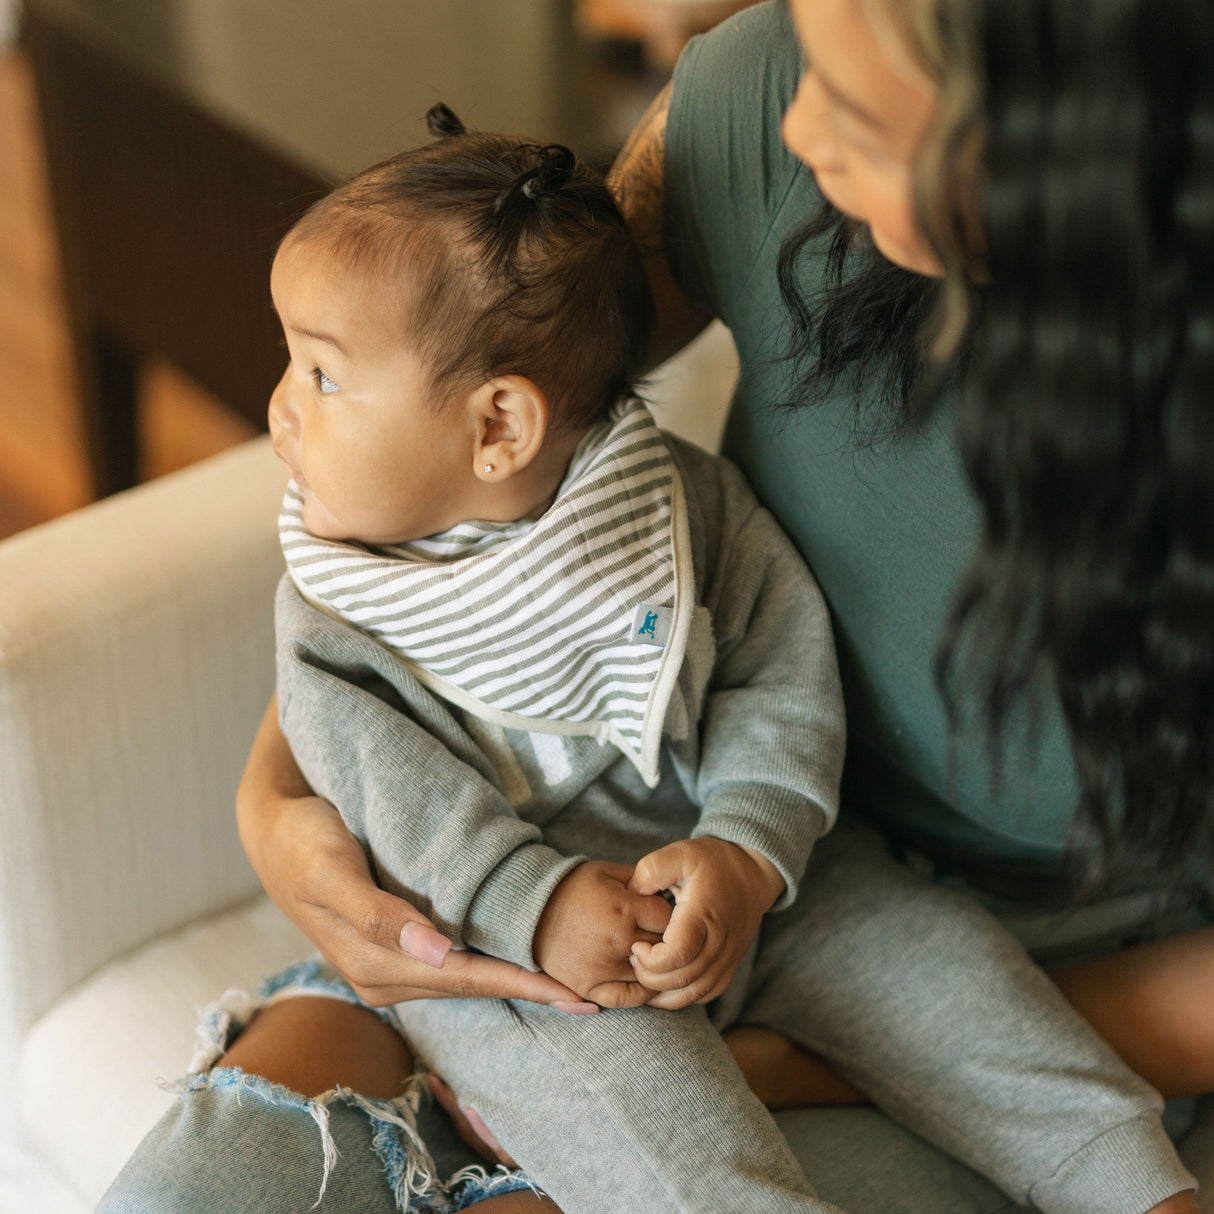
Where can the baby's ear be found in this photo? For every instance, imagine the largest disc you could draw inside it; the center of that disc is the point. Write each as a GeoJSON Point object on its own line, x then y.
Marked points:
{"type": "Point", "coordinates": [511, 416]}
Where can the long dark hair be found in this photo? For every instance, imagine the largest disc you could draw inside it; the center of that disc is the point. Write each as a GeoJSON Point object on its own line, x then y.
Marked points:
{"type": "Point", "coordinates": [1086, 412]}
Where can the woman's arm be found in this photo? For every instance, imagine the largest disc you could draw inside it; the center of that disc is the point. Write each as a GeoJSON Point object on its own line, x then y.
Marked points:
{"type": "Point", "coordinates": [317, 874]}
{"type": "Point", "coordinates": [636, 178]}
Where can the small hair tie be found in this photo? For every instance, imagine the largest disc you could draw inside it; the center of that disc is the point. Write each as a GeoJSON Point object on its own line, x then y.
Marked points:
{"type": "Point", "coordinates": [556, 166]}
{"type": "Point", "coordinates": [443, 123]}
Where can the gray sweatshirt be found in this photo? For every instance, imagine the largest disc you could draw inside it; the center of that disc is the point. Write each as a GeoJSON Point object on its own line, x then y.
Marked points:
{"type": "Point", "coordinates": [476, 823]}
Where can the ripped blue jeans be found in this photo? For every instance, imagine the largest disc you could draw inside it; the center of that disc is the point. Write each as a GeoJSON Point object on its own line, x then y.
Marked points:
{"type": "Point", "coordinates": [237, 1141]}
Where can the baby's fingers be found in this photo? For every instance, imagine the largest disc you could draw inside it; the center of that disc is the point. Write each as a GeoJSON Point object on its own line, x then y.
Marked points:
{"type": "Point", "coordinates": [652, 916]}
{"type": "Point", "coordinates": [619, 994]}
{"type": "Point", "coordinates": [675, 1001]}
{"type": "Point", "coordinates": [661, 869]}
{"type": "Point", "coordinates": [674, 991]}
{"type": "Point", "coordinates": [683, 941]}
{"type": "Point", "coordinates": [665, 980]}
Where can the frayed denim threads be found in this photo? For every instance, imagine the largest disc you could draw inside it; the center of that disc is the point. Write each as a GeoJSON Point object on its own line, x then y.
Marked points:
{"type": "Point", "coordinates": [473, 1184]}
{"type": "Point", "coordinates": [406, 1162]}
{"type": "Point", "coordinates": [395, 1139]}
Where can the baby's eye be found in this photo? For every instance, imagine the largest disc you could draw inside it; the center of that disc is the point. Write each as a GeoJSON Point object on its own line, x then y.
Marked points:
{"type": "Point", "coordinates": [323, 382]}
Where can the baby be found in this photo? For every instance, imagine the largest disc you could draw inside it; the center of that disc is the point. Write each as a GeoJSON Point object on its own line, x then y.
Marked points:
{"type": "Point", "coordinates": [551, 663]}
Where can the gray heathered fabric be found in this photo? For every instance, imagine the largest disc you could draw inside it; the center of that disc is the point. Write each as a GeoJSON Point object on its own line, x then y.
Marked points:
{"type": "Point", "coordinates": [985, 1059]}
{"type": "Point", "coordinates": [643, 1112]}
{"type": "Point", "coordinates": [429, 793]}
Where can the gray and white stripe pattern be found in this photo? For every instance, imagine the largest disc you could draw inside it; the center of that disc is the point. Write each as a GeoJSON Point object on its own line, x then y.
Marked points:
{"type": "Point", "coordinates": [529, 624]}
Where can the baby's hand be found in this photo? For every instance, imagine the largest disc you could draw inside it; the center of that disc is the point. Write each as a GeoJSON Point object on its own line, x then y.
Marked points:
{"type": "Point", "coordinates": [722, 892]}
{"type": "Point", "coordinates": [587, 929]}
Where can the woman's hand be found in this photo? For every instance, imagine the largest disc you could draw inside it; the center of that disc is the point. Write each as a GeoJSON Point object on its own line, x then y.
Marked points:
{"type": "Point", "coordinates": [317, 874]}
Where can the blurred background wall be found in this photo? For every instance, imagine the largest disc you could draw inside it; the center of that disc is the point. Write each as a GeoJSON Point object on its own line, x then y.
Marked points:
{"type": "Point", "coordinates": [151, 152]}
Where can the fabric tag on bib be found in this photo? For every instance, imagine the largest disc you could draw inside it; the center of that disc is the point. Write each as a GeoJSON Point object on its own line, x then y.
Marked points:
{"type": "Point", "coordinates": [651, 625]}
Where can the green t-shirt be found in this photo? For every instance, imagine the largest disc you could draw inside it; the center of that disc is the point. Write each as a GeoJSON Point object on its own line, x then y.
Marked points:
{"type": "Point", "coordinates": [887, 528]}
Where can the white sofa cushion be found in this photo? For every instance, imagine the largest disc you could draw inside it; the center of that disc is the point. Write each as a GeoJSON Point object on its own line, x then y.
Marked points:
{"type": "Point", "coordinates": [96, 1056]}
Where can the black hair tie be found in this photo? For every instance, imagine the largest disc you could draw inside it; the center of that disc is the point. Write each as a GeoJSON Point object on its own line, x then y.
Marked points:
{"type": "Point", "coordinates": [443, 123]}
{"type": "Point", "coordinates": [555, 167]}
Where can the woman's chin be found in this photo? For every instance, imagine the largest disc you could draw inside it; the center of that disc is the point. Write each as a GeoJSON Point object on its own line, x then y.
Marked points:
{"type": "Point", "coordinates": [916, 260]}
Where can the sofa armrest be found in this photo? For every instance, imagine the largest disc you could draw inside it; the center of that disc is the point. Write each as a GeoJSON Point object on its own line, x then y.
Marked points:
{"type": "Point", "coordinates": [136, 658]}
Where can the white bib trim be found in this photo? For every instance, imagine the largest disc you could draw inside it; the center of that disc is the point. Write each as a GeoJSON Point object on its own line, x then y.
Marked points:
{"type": "Point", "coordinates": [536, 633]}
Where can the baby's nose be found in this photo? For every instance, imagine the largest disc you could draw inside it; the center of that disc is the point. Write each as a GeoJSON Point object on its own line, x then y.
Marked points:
{"type": "Point", "coordinates": [281, 415]}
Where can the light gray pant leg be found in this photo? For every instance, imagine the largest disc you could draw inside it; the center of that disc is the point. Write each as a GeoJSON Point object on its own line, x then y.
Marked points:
{"type": "Point", "coordinates": [864, 1161]}
{"type": "Point", "coordinates": [627, 1112]}
{"type": "Point", "coordinates": [932, 1008]}
{"type": "Point", "coordinates": [1197, 1151]}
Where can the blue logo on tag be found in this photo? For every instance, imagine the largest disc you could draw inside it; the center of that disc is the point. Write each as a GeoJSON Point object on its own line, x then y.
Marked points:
{"type": "Point", "coordinates": [651, 625]}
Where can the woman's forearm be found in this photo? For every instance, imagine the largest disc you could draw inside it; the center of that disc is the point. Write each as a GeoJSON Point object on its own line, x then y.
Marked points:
{"type": "Point", "coordinates": [317, 873]}
{"type": "Point", "coordinates": [271, 779]}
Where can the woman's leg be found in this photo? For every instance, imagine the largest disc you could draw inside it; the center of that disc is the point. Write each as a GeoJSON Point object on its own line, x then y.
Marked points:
{"type": "Point", "coordinates": [303, 1110]}
{"type": "Point", "coordinates": [313, 1044]}
{"type": "Point", "coordinates": [783, 1075]}
{"type": "Point", "coordinates": [246, 1136]}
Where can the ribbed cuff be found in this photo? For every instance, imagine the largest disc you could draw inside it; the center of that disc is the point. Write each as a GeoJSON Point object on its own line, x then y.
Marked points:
{"type": "Point", "coordinates": [767, 820]}
{"type": "Point", "coordinates": [502, 917]}
{"type": "Point", "coordinates": [1127, 1170]}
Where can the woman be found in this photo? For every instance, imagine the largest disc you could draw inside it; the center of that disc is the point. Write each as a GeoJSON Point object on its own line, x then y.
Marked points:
{"type": "Point", "coordinates": [1035, 178]}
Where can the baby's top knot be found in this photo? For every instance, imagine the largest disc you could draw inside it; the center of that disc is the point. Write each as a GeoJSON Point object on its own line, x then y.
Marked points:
{"type": "Point", "coordinates": [555, 166]}
{"type": "Point", "coordinates": [442, 122]}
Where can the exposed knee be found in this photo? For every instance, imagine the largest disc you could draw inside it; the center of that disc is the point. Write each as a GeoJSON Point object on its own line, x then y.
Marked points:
{"type": "Point", "coordinates": [313, 1044]}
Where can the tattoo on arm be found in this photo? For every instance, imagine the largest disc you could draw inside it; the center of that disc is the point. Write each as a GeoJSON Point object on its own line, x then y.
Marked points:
{"type": "Point", "coordinates": [637, 181]}
{"type": "Point", "coordinates": [636, 176]}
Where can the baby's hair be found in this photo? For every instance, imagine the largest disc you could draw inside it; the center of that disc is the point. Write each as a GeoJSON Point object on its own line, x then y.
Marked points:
{"type": "Point", "coordinates": [516, 258]}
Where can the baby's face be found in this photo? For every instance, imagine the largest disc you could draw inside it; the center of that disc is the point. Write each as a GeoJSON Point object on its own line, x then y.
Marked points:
{"type": "Point", "coordinates": [377, 458]}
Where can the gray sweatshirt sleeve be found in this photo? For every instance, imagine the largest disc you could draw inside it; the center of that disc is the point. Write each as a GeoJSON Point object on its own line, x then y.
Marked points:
{"type": "Point", "coordinates": [772, 729]}
{"type": "Point", "coordinates": [411, 785]}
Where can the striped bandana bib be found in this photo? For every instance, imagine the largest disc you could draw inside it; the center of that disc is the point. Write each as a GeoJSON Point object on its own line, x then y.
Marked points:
{"type": "Point", "coordinates": [575, 623]}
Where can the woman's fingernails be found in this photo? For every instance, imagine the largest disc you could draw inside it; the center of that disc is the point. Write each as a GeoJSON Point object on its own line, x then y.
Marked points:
{"type": "Point", "coordinates": [437, 1086]}
{"type": "Point", "coordinates": [425, 944]}
{"type": "Point", "coordinates": [481, 1129]}
{"type": "Point", "coordinates": [577, 1008]}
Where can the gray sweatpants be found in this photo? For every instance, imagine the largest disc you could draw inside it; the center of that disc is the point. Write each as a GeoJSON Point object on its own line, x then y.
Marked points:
{"type": "Point", "coordinates": [913, 992]}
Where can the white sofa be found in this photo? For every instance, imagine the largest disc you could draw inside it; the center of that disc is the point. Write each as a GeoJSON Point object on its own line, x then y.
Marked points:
{"type": "Point", "coordinates": [136, 658]}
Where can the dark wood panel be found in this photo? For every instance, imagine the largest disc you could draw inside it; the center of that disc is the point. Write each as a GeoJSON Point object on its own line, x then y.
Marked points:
{"type": "Point", "coordinates": [167, 222]}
